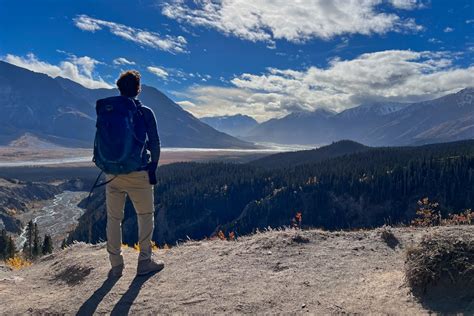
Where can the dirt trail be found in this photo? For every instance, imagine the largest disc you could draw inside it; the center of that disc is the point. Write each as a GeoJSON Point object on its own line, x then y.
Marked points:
{"type": "Point", "coordinates": [317, 272]}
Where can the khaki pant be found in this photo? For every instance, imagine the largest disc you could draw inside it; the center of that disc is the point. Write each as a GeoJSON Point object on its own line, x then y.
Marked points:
{"type": "Point", "coordinates": [136, 185]}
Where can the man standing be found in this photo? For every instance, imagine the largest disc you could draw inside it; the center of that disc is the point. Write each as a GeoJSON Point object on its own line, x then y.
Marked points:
{"type": "Point", "coordinates": [127, 149]}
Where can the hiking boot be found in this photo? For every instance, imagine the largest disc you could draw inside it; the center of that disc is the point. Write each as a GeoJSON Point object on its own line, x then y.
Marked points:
{"type": "Point", "coordinates": [116, 272]}
{"type": "Point", "coordinates": [149, 266]}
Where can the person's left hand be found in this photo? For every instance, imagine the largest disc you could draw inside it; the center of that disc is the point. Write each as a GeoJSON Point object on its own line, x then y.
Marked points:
{"type": "Point", "coordinates": [152, 166]}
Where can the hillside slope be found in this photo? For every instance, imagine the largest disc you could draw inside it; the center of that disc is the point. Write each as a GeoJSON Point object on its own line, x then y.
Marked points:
{"type": "Point", "coordinates": [63, 112]}
{"type": "Point", "coordinates": [318, 272]}
{"type": "Point", "coordinates": [235, 125]}
{"type": "Point", "coordinates": [364, 189]}
{"type": "Point", "coordinates": [15, 197]}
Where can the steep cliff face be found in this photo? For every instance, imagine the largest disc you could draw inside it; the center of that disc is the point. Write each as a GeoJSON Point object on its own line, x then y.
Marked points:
{"type": "Point", "coordinates": [17, 196]}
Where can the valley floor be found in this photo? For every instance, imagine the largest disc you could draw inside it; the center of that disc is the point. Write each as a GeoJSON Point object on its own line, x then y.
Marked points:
{"type": "Point", "coordinates": [11, 157]}
{"type": "Point", "coordinates": [275, 272]}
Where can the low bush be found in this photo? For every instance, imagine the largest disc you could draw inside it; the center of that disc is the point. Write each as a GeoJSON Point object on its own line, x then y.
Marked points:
{"type": "Point", "coordinates": [17, 263]}
{"type": "Point", "coordinates": [442, 260]}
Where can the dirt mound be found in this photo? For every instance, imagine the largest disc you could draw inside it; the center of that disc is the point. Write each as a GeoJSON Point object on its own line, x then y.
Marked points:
{"type": "Point", "coordinates": [274, 272]}
{"type": "Point", "coordinates": [29, 140]}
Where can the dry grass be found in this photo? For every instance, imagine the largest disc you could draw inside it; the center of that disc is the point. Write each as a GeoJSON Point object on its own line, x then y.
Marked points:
{"type": "Point", "coordinates": [441, 260]}
{"type": "Point", "coordinates": [300, 239]}
{"type": "Point", "coordinates": [154, 246]}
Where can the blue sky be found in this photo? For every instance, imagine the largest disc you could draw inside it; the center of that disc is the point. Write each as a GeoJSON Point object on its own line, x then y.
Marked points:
{"type": "Point", "coordinates": [263, 58]}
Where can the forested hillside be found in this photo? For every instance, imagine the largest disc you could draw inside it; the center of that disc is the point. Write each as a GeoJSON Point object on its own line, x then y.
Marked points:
{"type": "Point", "coordinates": [288, 159]}
{"type": "Point", "coordinates": [363, 189]}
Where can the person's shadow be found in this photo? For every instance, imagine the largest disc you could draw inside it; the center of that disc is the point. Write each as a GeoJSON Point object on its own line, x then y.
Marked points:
{"type": "Point", "coordinates": [123, 305]}
{"type": "Point", "coordinates": [89, 306]}
{"type": "Point", "coordinates": [126, 301]}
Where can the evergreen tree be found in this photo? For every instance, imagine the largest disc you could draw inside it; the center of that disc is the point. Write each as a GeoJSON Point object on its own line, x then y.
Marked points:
{"type": "Point", "coordinates": [64, 243]}
{"type": "Point", "coordinates": [29, 235]}
{"type": "Point", "coordinates": [47, 245]}
{"type": "Point", "coordinates": [36, 242]}
{"type": "Point", "coordinates": [3, 244]}
{"type": "Point", "coordinates": [11, 248]}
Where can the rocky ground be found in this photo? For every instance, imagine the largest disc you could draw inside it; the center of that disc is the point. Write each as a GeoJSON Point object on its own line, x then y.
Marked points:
{"type": "Point", "coordinates": [275, 272]}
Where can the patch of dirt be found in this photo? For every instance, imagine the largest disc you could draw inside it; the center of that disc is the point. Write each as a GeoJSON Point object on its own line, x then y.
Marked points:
{"type": "Point", "coordinates": [73, 275]}
{"type": "Point", "coordinates": [319, 273]}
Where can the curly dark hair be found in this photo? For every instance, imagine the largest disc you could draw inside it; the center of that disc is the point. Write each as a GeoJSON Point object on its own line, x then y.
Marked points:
{"type": "Point", "coordinates": [129, 83]}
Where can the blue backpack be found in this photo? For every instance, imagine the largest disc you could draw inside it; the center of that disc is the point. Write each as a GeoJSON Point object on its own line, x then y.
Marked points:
{"type": "Point", "coordinates": [120, 139]}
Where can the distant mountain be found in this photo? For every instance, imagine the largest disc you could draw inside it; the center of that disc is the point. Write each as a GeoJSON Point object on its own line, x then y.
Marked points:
{"type": "Point", "coordinates": [372, 109]}
{"type": "Point", "coordinates": [36, 103]}
{"type": "Point", "coordinates": [63, 112]}
{"type": "Point", "coordinates": [295, 128]}
{"type": "Point", "coordinates": [235, 125]}
{"type": "Point", "coordinates": [291, 159]}
{"type": "Point", "coordinates": [448, 118]}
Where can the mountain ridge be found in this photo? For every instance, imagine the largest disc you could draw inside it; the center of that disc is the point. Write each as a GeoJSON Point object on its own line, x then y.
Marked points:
{"type": "Point", "coordinates": [292, 159]}
{"type": "Point", "coordinates": [235, 125]}
{"type": "Point", "coordinates": [63, 112]}
{"type": "Point", "coordinates": [448, 118]}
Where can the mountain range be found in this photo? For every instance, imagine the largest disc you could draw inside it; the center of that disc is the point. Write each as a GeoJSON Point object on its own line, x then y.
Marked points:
{"type": "Point", "coordinates": [63, 112]}
{"type": "Point", "coordinates": [235, 125]}
{"type": "Point", "coordinates": [448, 118]}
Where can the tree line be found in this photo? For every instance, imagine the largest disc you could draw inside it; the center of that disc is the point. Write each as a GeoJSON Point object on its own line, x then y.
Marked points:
{"type": "Point", "coordinates": [33, 248]}
{"type": "Point", "coordinates": [364, 189]}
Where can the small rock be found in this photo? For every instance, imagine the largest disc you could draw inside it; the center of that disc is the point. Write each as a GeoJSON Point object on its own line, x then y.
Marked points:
{"type": "Point", "coordinates": [303, 306]}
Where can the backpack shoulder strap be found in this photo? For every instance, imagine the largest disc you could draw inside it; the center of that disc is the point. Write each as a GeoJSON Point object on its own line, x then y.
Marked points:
{"type": "Point", "coordinates": [140, 108]}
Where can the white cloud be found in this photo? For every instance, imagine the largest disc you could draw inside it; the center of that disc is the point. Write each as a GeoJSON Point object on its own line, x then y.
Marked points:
{"type": "Point", "coordinates": [394, 75]}
{"type": "Point", "coordinates": [448, 30]}
{"type": "Point", "coordinates": [160, 72]}
{"type": "Point", "coordinates": [406, 4]}
{"type": "Point", "coordinates": [212, 100]}
{"type": "Point", "coordinates": [435, 40]}
{"type": "Point", "coordinates": [295, 21]}
{"type": "Point", "coordinates": [123, 61]}
{"type": "Point", "coordinates": [172, 44]}
{"type": "Point", "coordinates": [78, 69]}
{"type": "Point", "coordinates": [87, 24]}
{"type": "Point", "coordinates": [186, 104]}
